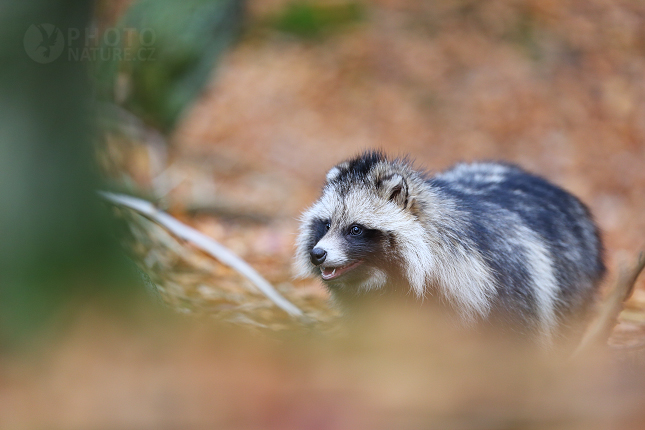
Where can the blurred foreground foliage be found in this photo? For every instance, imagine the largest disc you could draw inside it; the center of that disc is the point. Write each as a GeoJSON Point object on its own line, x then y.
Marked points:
{"type": "Point", "coordinates": [395, 368]}
{"type": "Point", "coordinates": [57, 247]}
{"type": "Point", "coordinates": [55, 240]}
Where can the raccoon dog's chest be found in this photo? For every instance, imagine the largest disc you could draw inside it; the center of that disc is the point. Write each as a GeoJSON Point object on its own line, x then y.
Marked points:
{"type": "Point", "coordinates": [488, 238]}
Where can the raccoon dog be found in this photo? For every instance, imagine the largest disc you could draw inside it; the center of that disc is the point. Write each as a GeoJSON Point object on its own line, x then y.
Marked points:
{"type": "Point", "coordinates": [492, 242]}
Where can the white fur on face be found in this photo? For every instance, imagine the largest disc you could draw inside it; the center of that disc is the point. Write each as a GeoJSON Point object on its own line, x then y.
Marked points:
{"type": "Point", "coordinates": [331, 206]}
{"type": "Point", "coordinates": [374, 212]}
{"type": "Point", "coordinates": [322, 209]}
{"type": "Point", "coordinates": [333, 244]}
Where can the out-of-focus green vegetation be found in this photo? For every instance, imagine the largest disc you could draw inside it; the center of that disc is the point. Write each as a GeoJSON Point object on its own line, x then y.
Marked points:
{"type": "Point", "coordinates": [55, 243]}
{"type": "Point", "coordinates": [56, 238]}
{"type": "Point", "coordinates": [183, 40]}
{"type": "Point", "coordinates": [311, 20]}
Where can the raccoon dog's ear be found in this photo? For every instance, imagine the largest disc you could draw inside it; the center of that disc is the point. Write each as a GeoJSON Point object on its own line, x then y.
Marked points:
{"type": "Point", "coordinates": [395, 188]}
{"type": "Point", "coordinates": [335, 171]}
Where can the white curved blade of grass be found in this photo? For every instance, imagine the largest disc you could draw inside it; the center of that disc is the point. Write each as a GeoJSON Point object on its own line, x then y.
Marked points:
{"type": "Point", "coordinates": [218, 251]}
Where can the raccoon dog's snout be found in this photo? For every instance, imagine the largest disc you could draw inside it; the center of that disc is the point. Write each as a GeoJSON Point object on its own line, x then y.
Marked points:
{"type": "Point", "coordinates": [317, 256]}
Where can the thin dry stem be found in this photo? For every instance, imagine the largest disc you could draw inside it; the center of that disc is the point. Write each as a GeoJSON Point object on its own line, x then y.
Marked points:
{"type": "Point", "coordinates": [600, 328]}
{"type": "Point", "coordinates": [205, 243]}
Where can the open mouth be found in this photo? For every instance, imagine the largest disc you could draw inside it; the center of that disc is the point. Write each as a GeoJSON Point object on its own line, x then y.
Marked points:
{"type": "Point", "coordinates": [329, 273]}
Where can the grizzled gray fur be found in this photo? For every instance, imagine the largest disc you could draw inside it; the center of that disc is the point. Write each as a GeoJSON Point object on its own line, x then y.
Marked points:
{"type": "Point", "coordinates": [493, 242]}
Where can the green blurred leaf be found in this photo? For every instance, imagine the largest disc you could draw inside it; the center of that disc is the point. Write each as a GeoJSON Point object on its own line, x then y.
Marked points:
{"type": "Point", "coordinates": [180, 42]}
{"type": "Point", "coordinates": [311, 20]}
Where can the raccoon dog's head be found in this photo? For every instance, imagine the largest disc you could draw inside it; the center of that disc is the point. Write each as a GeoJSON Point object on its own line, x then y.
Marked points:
{"type": "Point", "coordinates": [364, 232]}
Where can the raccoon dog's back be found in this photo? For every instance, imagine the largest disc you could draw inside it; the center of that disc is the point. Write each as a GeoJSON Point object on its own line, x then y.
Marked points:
{"type": "Point", "coordinates": [494, 241]}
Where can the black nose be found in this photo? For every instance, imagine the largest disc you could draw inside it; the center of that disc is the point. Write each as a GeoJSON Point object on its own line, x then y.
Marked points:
{"type": "Point", "coordinates": [318, 256]}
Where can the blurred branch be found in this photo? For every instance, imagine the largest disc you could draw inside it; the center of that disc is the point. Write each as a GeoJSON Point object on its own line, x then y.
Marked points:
{"type": "Point", "coordinates": [205, 243]}
{"type": "Point", "coordinates": [600, 328]}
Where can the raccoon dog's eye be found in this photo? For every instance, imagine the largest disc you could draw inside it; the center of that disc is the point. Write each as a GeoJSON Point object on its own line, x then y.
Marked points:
{"type": "Point", "coordinates": [327, 226]}
{"type": "Point", "coordinates": [356, 230]}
